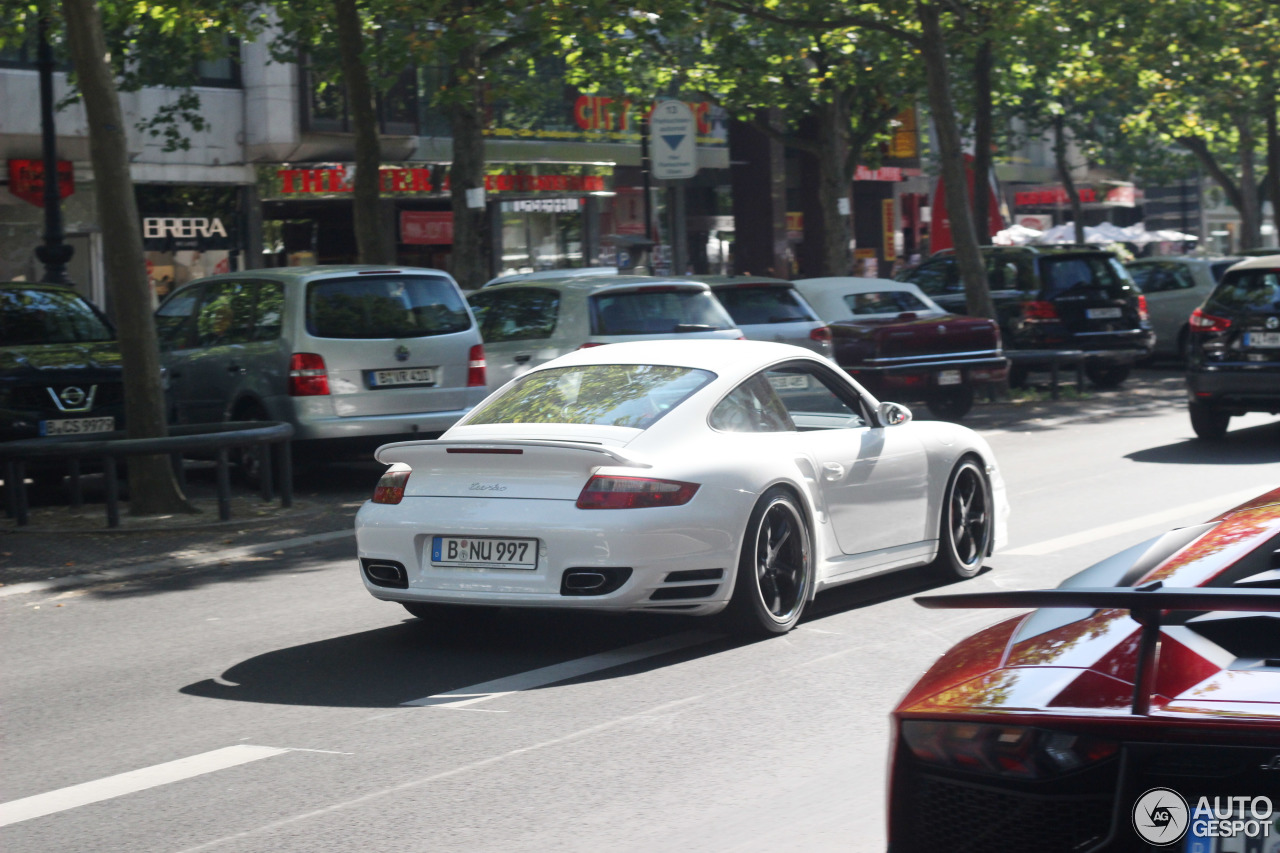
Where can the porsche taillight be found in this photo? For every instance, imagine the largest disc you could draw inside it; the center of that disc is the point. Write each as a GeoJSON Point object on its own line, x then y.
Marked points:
{"type": "Point", "coordinates": [1021, 752]}
{"type": "Point", "coordinates": [308, 376]}
{"type": "Point", "coordinates": [391, 485]}
{"type": "Point", "coordinates": [634, 493]}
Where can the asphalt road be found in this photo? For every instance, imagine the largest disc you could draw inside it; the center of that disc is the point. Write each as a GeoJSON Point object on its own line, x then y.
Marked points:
{"type": "Point", "coordinates": [271, 705]}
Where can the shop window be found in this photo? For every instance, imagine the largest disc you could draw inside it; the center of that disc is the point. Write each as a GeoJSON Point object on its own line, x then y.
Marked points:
{"type": "Point", "coordinates": [221, 71]}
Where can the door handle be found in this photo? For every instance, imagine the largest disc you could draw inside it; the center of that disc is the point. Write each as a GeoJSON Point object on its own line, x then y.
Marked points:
{"type": "Point", "coordinates": [832, 471]}
{"type": "Point", "coordinates": [521, 359]}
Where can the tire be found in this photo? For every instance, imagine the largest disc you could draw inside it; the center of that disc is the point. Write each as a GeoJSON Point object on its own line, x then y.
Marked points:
{"type": "Point", "coordinates": [775, 568]}
{"type": "Point", "coordinates": [1106, 378]}
{"type": "Point", "coordinates": [1209, 423]}
{"type": "Point", "coordinates": [966, 525]}
{"type": "Point", "coordinates": [951, 405]}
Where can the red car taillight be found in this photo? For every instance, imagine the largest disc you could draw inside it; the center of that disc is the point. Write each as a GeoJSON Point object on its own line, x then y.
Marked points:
{"type": "Point", "coordinates": [307, 375]}
{"type": "Point", "coordinates": [822, 335]}
{"type": "Point", "coordinates": [1039, 312]}
{"type": "Point", "coordinates": [634, 493]}
{"type": "Point", "coordinates": [475, 367]}
{"type": "Point", "coordinates": [1015, 751]}
{"type": "Point", "coordinates": [1202, 322]}
{"type": "Point", "coordinates": [391, 485]}
{"type": "Point", "coordinates": [1142, 308]}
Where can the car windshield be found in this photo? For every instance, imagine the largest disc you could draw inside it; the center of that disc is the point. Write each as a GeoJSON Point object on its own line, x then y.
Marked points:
{"type": "Point", "coordinates": [385, 307]}
{"type": "Point", "coordinates": [1076, 272]}
{"type": "Point", "coordinates": [39, 316]}
{"type": "Point", "coordinates": [657, 310]}
{"type": "Point", "coordinates": [884, 302]}
{"type": "Point", "coordinates": [1255, 291]}
{"type": "Point", "coordinates": [626, 395]}
{"type": "Point", "coordinates": [754, 306]}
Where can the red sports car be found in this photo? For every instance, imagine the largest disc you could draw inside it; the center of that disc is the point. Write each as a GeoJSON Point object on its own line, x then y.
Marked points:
{"type": "Point", "coordinates": [1137, 709]}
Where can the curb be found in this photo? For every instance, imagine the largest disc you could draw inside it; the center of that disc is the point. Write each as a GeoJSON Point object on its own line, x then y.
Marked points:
{"type": "Point", "coordinates": [170, 564]}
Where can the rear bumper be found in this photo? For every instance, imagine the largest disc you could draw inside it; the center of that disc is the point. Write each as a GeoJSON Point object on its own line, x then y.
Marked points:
{"type": "Point", "coordinates": [384, 427]}
{"type": "Point", "coordinates": [927, 375]}
{"type": "Point", "coordinates": [1243, 388]}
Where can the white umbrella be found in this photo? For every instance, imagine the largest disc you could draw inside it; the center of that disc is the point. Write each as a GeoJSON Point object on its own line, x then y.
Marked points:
{"type": "Point", "coordinates": [1066, 233]}
{"type": "Point", "coordinates": [1015, 235]}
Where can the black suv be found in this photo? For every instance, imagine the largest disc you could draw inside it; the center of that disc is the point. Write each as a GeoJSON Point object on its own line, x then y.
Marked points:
{"type": "Point", "coordinates": [1233, 360]}
{"type": "Point", "coordinates": [60, 371]}
{"type": "Point", "coordinates": [1051, 299]}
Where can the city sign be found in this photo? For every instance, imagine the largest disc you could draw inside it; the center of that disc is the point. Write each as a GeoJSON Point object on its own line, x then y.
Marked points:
{"type": "Point", "coordinates": [673, 137]}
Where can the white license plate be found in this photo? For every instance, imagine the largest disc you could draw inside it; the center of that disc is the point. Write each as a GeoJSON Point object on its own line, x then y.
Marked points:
{"type": "Point", "coordinates": [1102, 313]}
{"type": "Point", "coordinates": [484, 552]}
{"type": "Point", "coordinates": [77, 426]}
{"type": "Point", "coordinates": [1262, 339]}
{"type": "Point", "coordinates": [948, 377]}
{"type": "Point", "coordinates": [789, 383]}
{"type": "Point", "coordinates": [404, 376]}
{"type": "Point", "coordinates": [1219, 836]}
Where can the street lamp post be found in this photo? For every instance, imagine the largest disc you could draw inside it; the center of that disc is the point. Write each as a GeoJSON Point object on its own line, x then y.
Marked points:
{"type": "Point", "coordinates": [54, 253]}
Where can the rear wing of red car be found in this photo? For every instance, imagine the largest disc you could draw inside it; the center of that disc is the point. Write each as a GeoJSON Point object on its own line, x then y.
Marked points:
{"type": "Point", "coordinates": [1147, 605]}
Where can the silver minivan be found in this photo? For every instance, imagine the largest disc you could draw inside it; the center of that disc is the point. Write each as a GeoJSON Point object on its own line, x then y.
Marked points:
{"type": "Point", "coordinates": [356, 355]}
{"type": "Point", "coordinates": [528, 323]}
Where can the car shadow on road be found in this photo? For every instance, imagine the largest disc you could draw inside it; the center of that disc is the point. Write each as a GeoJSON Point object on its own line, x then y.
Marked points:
{"type": "Point", "coordinates": [411, 660]}
{"type": "Point", "coordinates": [1248, 446]}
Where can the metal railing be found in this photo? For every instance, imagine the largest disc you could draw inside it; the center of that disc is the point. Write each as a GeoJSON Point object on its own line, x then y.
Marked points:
{"type": "Point", "coordinates": [217, 439]}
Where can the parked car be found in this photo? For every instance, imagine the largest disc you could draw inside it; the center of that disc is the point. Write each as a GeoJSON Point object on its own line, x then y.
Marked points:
{"type": "Point", "coordinates": [351, 356]}
{"type": "Point", "coordinates": [1175, 286]}
{"type": "Point", "coordinates": [60, 368]}
{"type": "Point", "coordinates": [525, 325]}
{"type": "Point", "coordinates": [1053, 299]}
{"type": "Point", "coordinates": [1155, 671]}
{"type": "Point", "coordinates": [543, 275]}
{"type": "Point", "coordinates": [676, 476]}
{"type": "Point", "coordinates": [902, 345]}
{"type": "Point", "coordinates": [771, 309]}
{"type": "Point", "coordinates": [1233, 361]}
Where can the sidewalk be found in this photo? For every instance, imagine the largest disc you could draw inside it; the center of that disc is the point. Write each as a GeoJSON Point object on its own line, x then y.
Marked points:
{"type": "Point", "coordinates": [58, 544]}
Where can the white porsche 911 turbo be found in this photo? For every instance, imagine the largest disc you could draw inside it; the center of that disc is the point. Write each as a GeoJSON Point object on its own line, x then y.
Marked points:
{"type": "Point", "coordinates": [678, 476]}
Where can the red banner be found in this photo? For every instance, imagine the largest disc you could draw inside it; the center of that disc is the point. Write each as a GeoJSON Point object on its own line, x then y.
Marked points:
{"type": "Point", "coordinates": [426, 227]}
{"type": "Point", "coordinates": [940, 231]}
{"type": "Point", "coordinates": [26, 180]}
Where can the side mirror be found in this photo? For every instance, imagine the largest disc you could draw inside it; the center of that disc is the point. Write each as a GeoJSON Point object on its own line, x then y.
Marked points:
{"type": "Point", "coordinates": [894, 414]}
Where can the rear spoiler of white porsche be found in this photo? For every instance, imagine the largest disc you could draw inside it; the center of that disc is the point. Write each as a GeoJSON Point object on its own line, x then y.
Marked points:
{"type": "Point", "coordinates": [389, 453]}
{"type": "Point", "coordinates": [1146, 604]}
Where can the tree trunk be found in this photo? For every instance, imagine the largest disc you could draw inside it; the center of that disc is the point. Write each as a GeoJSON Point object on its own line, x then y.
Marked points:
{"type": "Point", "coordinates": [1250, 210]}
{"type": "Point", "coordinates": [951, 158]}
{"type": "Point", "coordinates": [1064, 173]}
{"type": "Point", "coordinates": [833, 185]}
{"type": "Point", "coordinates": [470, 260]}
{"type": "Point", "coordinates": [983, 63]}
{"type": "Point", "coordinates": [371, 244]}
{"type": "Point", "coordinates": [152, 488]}
{"type": "Point", "coordinates": [1200, 149]}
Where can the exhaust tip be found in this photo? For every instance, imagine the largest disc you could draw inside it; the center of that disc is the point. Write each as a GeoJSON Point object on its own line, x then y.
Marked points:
{"type": "Point", "coordinates": [386, 573]}
{"type": "Point", "coordinates": [593, 581]}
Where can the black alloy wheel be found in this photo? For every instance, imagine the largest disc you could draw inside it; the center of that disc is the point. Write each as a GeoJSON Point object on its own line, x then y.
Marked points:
{"type": "Point", "coordinates": [775, 570]}
{"type": "Point", "coordinates": [967, 523]}
{"type": "Point", "coordinates": [1107, 377]}
{"type": "Point", "coordinates": [951, 405]}
{"type": "Point", "coordinates": [1208, 422]}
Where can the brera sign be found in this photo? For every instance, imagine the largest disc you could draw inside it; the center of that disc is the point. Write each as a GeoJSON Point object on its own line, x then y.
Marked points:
{"type": "Point", "coordinates": [159, 227]}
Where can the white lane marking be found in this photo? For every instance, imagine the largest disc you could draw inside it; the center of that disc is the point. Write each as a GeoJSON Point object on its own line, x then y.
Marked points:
{"type": "Point", "coordinates": [133, 781]}
{"type": "Point", "coordinates": [464, 696]}
{"type": "Point", "coordinates": [182, 562]}
{"type": "Point", "coordinates": [1222, 503]}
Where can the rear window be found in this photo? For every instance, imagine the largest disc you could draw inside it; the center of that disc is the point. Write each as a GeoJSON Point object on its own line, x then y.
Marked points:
{"type": "Point", "coordinates": [1062, 275]}
{"type": "Point", "coordinates": [626, 395]}
{"type": "Point", "coordinates": [49, 317]}
{"type": "Point", "coordinates": [884, 302]}
{"type": "Point", "coordinates": [657, 311]}
{"type": "Point", "coordinates": [1248, 291]}
{"type": "Point", "coordinates": [385, 307]}
{"type": "Point", "coordinates": [757, 306]}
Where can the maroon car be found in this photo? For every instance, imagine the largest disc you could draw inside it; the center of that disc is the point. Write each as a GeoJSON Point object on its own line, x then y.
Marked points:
{"type": "Point", "coordinates": [900, 345]}
{"type": "Point", "coordinates": [1137, 709]}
